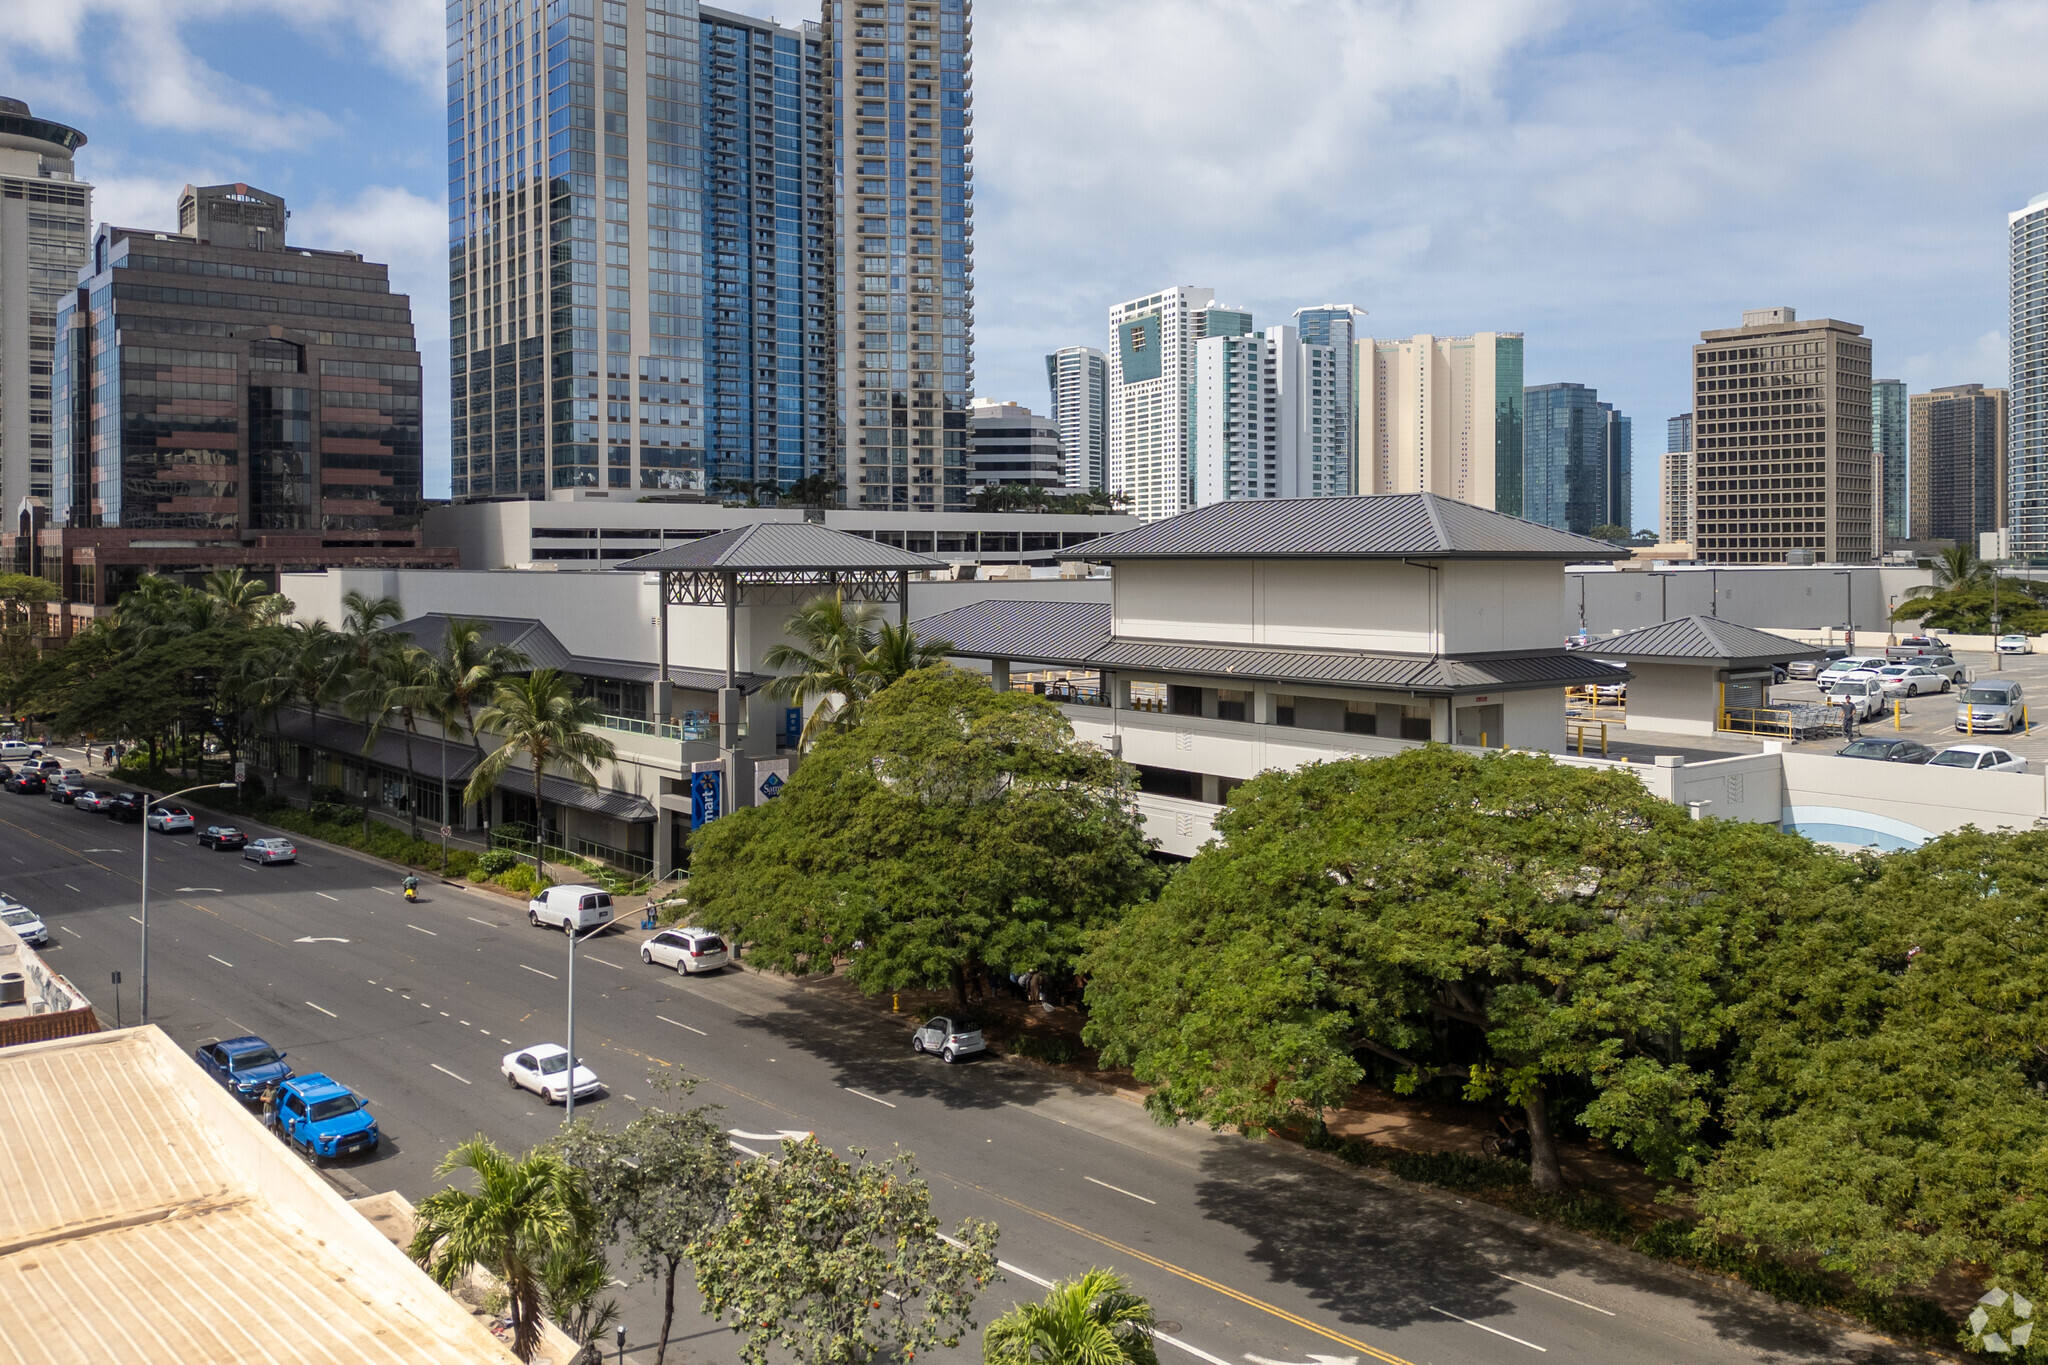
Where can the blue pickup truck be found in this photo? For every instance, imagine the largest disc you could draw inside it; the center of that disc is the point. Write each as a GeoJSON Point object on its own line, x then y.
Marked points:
{"type": "Point", "coordinates": [243, 1065]}
{"type": "Point", "coordinates": [320, 1117]}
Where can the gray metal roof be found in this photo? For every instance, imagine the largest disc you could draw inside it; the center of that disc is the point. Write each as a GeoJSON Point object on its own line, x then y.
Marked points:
{"type": "Point", "coordinates": [533, 639]}
{"type": "Point", "coordinates": [1702, 639]}
{"type": "Point", "coordinates": [1386, 525]}
{"type": "Point", "coordinates": [782, 545]}
{"type": "Point", "coordinates": [1077, 635]}
{"type": "Point", "coordinates": [604, 801]}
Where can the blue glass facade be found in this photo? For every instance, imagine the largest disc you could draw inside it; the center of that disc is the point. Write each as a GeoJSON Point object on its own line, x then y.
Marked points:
{"type": "Point", "coordinates": [1577, 458]}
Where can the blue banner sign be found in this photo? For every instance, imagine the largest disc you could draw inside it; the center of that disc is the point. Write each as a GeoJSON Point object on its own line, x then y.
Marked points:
{"type": "Point", "coordinates": [706, 792]}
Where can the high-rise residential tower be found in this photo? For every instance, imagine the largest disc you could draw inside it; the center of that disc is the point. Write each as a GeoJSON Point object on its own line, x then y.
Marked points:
{"type": "Point", "coordinates": [1012, 445]}
{"type": "Point", "coordinates": [1442, 415]}
{"type": "Point", "coordinates": [1078, 377]}
{"type": "Point", "coordinates": [45, 223]}
{"type": "Point", "coordinates": [1577, 460]}
{"type": "Point", "coordinates": [1782, 431]}
{"type": "Point", "coordinates": [1890, 460]}
{"type": "Point", "coordinates": [1151, 385]}
{"type": "Point", "coordinates": [904, 249]}
{"type": "Point", "coordinates": [1960, 463]}
{"type": "Point", "coordinates": [639, 253]}
{"type": "Point", "coordinates": [2028, 437]}
{"type": "Point", "coordinates": [1675, 491]}
{"type": "Point", "coordinates": [1333, 432]}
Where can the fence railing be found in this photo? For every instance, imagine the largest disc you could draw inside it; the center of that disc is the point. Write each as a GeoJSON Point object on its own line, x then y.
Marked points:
{"type": "Point", "coordinates": [1795, 722]}
{"type": "Point", "coordinates": [516, 838]}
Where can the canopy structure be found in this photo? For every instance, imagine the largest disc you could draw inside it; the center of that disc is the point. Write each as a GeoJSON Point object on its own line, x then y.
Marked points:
{"type": "Point", "coordinates": [780, 562]}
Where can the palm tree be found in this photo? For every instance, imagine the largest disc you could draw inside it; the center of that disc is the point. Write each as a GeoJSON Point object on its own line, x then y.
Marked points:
{"type": "Point", "coordinates": [312, 663]}
{"type": "Point", "coordinates": [248, 601]}
{"type": "Point", "coordinates": [397, 685]}
{"type": "Point", "coordinates": [824, 664]}
{"type": "Point", "coordinates": [540, 716]}
{"type": "Point", "coordinates": [1093, 1320]}
{"type": "Point", "coordinates": [525, 1211]}
{"type": "Point", "coordinates": [898, 650]}
{"type": "Point", "coordinates": [467, 669]}
{"type": "Point", "coordinates": [362, 625]}
{"type": "Point", "coordinates": [1955, 568]}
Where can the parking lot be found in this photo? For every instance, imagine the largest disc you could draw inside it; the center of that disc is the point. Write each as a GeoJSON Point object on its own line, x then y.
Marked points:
{"type": "Point", "coordinates": [1931, 719]}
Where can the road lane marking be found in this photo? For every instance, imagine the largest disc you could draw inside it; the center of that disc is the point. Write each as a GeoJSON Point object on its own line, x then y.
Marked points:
{"type": "Point", "coordinates": [538, 972]}
{"type": "Point", "coordinates": [71, 931]}
{"type": "Point", "coordinates": [1190, 1276]}
{"type": "Point", "coordinates": [484, 922]}
{"type": "Point", "coordinates": [862, 1093]}
{"type": "Point", "coordinates": [1119, 1189]}
{"type": "Point", "coordinates": [1555, 1295]}
{"type": "Point", "coordinates": [602, 963]}
{"type": "Point", "coordinates": [135, 918]}
{"type": "Point", "coordinates": [464, 1022]}
{"type": "Point", "coordinates": [221, 960]}
{"type": "Point", "coordinates": [69, 887]}
{"type": "Point", "coordinates": [446, 1072]}
{"type": "Point", "coordinates": [183, 889]}
{"type": "Point", "coordinates": [324, 940]}
{"type": "Point", "coordinates": [1484, 1328]}
{"type": "Point", "coordinates": [428, 932]}
{"type": "Point", "coordinates": [329, 1013]}
{"type": "Point", "coordinates": [385, 890]}
{"type": "Point", "coordinates": [324, 896]}
{"type": "Point", "coordinates": [680, 1024]}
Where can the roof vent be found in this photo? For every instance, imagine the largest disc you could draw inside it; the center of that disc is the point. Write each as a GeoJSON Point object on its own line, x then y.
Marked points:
{"type": "Point", "coordinates": [13, 989]}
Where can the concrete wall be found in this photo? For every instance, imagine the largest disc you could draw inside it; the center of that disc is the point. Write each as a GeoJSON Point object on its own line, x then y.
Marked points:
{"type": "Point", "coordinates": [1500, 605]}
{"type": "Point", "coordinates": [1677, 699]}
{"type": "Point", "coordinates": [1764, 596]}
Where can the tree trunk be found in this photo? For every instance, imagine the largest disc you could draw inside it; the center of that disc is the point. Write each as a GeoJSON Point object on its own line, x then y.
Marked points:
{"type": "Point", "coordinates": [1544, 1173]}
{"type": "Point", "coordinates": [525, 1318]}
{"type": "Point", "coordinates": [311, 763]}
{"type": "Point", "coordinates": [668, 1313]}
{"type": "Point", "coordinates": [960, 986]}
{"type": "Point", "coordinates": [539, 826]}
{"type": "Point", "coordinates": [412, 805]}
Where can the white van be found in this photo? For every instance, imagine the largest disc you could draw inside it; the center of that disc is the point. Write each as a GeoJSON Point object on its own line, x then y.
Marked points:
{"type": "Point", "coordinates": [571, 909]}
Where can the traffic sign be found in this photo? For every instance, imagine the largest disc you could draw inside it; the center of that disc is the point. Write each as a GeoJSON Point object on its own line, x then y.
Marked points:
{"type": "Point", "coordinates": [241, 771]}
{"type": "Point", "coordinates": [446, 831]}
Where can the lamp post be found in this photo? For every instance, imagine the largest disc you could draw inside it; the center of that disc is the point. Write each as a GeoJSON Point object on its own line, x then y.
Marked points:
{"type": "Point", "coordinates": [204, 786]}
{"type": "Point", "coordinates": [569, 1085]}
{"type": "Point", "coordinates": [1848, 606]}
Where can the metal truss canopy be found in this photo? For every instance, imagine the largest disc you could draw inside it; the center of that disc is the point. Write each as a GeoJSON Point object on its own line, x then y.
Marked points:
{"type": "Point", "coordinates": [744, 587]}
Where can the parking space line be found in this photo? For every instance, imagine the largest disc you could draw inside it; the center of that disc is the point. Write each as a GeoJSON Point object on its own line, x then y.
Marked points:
{"type": "Point", "coordinates": [221, 960]}
{"type": "Point", "coordinates": [602, 963]}
{"type": "Point", "coordinates": [71, 931]}
{"type": "Point", "coordinates": [484, 922]}
{"type": "Point", "coordinates": [328, 1012]}
{"type": "Point", "coordinates": [69, 887]}
{"type": "Point", "coordinates": [386, 890]}
{"type": "Point", "coordinates": [866, 1096]}
{"type": "Point", "coordinates": [324, 896]}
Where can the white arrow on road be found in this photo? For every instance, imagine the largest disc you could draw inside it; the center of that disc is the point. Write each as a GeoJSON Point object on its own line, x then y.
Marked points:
{"type": "Point", "coordinates": [319, 940]}
{"type": "Point", "coordinates": [1318, 1360]}
{"type": "Point", "coordinates": [797, 1133]}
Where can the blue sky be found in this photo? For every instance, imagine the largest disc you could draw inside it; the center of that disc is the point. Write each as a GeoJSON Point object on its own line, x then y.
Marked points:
{"type": "Point", "coordinates": [1607, 177]}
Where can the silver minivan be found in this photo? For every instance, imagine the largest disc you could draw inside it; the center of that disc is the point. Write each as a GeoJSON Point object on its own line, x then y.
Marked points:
{"type": "Point", "coordinates": [1991, 704]}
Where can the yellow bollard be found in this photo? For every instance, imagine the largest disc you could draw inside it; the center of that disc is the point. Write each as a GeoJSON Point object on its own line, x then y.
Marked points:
{"type": "Point", "coordinates": [1897, 707]}
{"type": "Point", "coordinates": [895, 1004]}
{"type": "Point", "coordinates": [1482, 739]}
{"type": "Point", "coordinates": [1603, 739]}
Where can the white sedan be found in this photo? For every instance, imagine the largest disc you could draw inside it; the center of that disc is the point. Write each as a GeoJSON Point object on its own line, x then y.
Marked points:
{"type": "Point", "coordinates": [170, 819]}
{"type": "Point", "coordinates": [689, 951]}
{"type": "Point", "coordinates": [1910, 680]}
{"type": "Point", "coordinates": [2015, 644]}
{"type": "Point", "coordinates": [544, 1069]}
{"type": "Point", "coordinates": [1983, 758]}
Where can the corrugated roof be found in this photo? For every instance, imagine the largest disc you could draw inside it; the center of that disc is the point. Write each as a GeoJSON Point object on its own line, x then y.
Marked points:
{"type": "Point", "coordinates": [1386, 525]}
{"type": "Point", "coordinates": [1077, 635]}
{"type": "Point", "coordinates": [604, 801]}
{"type": "Point", "coordinates": [338, 734]}
{"type": "Point", "coordinates": [1706, 639]}
{"type": "Point", "coordinates": [784, 545]}
{"type": "Point", "coordinates": [533, 639]}
{"type": "Point", "coordinates": [150, 1219]}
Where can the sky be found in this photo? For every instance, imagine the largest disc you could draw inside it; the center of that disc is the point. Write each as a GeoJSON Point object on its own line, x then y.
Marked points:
{"type": "Point", "coordinates": [1607, 177]}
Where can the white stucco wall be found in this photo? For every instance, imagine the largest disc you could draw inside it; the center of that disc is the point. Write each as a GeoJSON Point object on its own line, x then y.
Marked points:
{"type": "Point", "coordinates": [1673, 699]}
{"type": "Point", "coordinates": [1497, 605]}
{"type": "Point", "coordinates": [1329, 604]}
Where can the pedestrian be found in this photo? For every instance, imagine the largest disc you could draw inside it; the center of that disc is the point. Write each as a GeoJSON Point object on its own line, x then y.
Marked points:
{"type": "Point", "coordinates": [1848, 718]}
{"type": "Point", "coordinates": [270, 1105]}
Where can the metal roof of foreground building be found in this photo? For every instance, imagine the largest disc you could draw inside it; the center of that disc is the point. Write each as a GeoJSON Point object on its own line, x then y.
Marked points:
{"type": "Point", "coordinates": [149, 1218]}
{"type": "Point", "coordinates": [1702, 639]}
{"type": "Point", "coordinates": [782, 546]}
{"type": "Point", "coordinates": [1380, 526]}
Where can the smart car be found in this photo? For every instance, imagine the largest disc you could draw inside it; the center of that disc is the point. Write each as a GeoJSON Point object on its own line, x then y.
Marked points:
{"type": "Point", "coordinates": [951, 1039]}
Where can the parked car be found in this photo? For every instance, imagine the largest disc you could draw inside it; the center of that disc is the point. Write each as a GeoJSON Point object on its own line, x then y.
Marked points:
{"type": "Point", "coordinates": [47, 766]}
{"type": "Point", "coordinates": [2015, 644]}
{"type": "Point", "coordinates": [1979, 757]}
{"type": "Point", "coordinates": [27, 782]}
{"type": "Point", "coordinates": [90, 800]}
{"type": "Point", "coordinates": [244, 1065]}
{"type": "Point", "coordinates": [1886, 750]}
{"type": "Point", "coordinates": [950, 1039]}
{"type": "Point", "coordinates": [1801, 669]}
{"type": "Point", "coordinates": [1992, 704]}
{"type": "Point", "coordinates": [271, 851]}
{"type": "Point", "coordinates": [124, 806]}
{"type": "Point", "coordinates": [544, 1069]}
{"type": "Point", "coordinates": [171, 820]}
{"type": "Point", "coordinates": [1613, 693]}
{"type": "Point", "coordinates": [689, 951]}
{"type": "Point", "coordinates": [1910, 680]}
{"type": "Point", "coordinates": [321, 1117]}
{"type": "Point", "coordinates": [24, 921]}
{"type": "Point", "coordinates": [66, 786]}
{"type": "Point", "coordinates": [571, 908]}
{"type": "Point", "coordinates": [1863, 689]}
{"type": "Point", "coordinates": [1942, 664]}
{"type": "Point", "coordinates": [1914, 646]}
{"type": "Point", "coordinates": [222, 837]}
{"type": "Point", "coordinates": [17, 750]}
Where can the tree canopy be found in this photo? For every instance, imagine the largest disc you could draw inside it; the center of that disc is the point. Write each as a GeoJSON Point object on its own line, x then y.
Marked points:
{"type": "Point", "coordinates": [1533, 931]}
{"type": "Point", "coordinates": [956, 829]}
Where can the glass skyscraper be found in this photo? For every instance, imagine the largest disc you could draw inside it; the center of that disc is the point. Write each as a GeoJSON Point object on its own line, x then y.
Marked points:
{"type": "Point", "coordinates": [1331, 454]}
{"type": "Point", "coordinates": [1888, 445]}
{"type": "Point", "coordinates": [2028, 443]}
{"type": "Point", "coordinates": [638, 281]}
{"type": "Point", "coordinates": [1577, 460]}
{"type": "Point", "coordinates": [903, 191]}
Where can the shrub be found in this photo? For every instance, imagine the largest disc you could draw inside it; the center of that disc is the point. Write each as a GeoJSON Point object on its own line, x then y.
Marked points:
{"type": "Point", "coordinates": [497, 861]}
{"type": "Point", "coordinates": [478, 875]}
{"type": "Point", "coordinates": [327, 813]}
{"type": "Point", "coordinates": [519, 879]}
{"type": "Point", "coordinates": [331, 794]}
{"type": "Point", "coordinates": [1058, 1049]}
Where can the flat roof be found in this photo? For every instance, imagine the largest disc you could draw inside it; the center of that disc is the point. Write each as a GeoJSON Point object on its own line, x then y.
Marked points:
{"type": "Point", "coordinates": [149, 1218]}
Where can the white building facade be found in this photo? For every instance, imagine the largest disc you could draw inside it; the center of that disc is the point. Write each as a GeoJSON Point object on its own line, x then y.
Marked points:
{"type": "Point", "coordinates": [1151, 378]}
{"type": "Point", "coordinates": [1008, 443]}
{"type": "Point", "coordinates": [1442, 415]}
{"type": "Point", "coordinates": [45, 224]}
{"type": "Point", "coordinates": [1078, 380]}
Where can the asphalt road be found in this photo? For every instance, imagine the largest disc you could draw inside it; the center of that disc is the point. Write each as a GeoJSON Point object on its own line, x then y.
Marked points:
{"type": "Point", "coordinates": [1255, 1252]}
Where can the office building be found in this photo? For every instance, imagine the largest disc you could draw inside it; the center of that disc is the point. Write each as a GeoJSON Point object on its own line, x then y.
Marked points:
{"type": "Point", "coordinates": [640, 293]}
{"type": "Point", "coordinates": [1577, 455]}
{"type": "Point", "coordinates": [1890, 457]}
{"type": "Point", "coordinates": [45, 223]}
{"type": "Point", "coordinates": [1675, 487]}
{"type": "Point", "coordinates": [1782, 437]}
{"type": "Point", "coordinates": [1010, 444]}
{"type": "Point", "coordinates": [1442, 415]}
{"type": "Point", "coordinates": [1333, 432]}
{"type": "Point", "coordinates": [904, 248]}
{"type": "Point", "coordinates": [1959, 463]}
{"type": "Point", "coordinates": [1151, 378]}
{"type": "Point", "coordinates": [226, 400]}
{"type": "Point", "coordinates": [2027, 439]}
{"type": "Point", "coordinates": [1078, 378]}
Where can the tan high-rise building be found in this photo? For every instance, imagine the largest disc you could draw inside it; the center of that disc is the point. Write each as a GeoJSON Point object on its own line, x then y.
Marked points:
{"type": "Point", "coordinates": [1674, 498]}
{"type": "Point", "coordinates": [1781, 442]}
{"type": "Point", "coordinates": [1442, 415]}
{"type": "Point", "coordinates": [1958, 475]}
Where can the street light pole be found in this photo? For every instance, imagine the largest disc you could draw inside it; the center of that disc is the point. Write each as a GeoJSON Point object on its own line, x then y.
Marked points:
{"type": "Point", "coordinates": [145, 881]}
